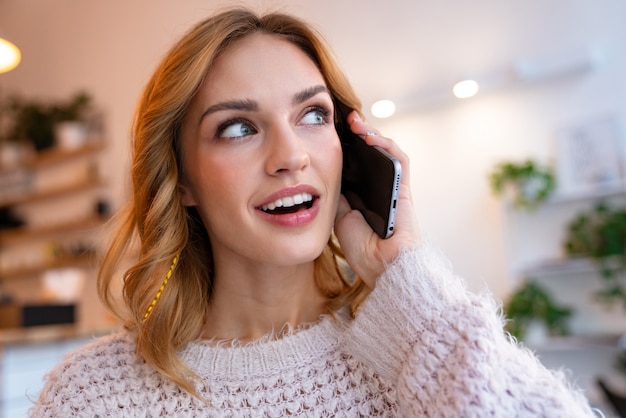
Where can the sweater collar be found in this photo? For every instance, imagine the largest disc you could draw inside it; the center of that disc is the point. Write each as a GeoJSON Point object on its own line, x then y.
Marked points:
{"type": "Point", "coordinates": [266, 356]}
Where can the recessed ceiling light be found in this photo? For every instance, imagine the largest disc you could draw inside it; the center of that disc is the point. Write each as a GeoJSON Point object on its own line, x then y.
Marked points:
{"type": "Point", "coordinates": [466, 88]}
{"type": "Point", "coordinates": [383, 109]}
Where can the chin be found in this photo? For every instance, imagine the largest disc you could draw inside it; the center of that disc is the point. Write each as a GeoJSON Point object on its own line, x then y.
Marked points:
{"type": "Point", "coordinates": [294, 254]}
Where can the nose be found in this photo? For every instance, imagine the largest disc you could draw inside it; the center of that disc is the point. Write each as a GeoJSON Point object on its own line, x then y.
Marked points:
{"type": "Point", "coordinates": [286, 151]}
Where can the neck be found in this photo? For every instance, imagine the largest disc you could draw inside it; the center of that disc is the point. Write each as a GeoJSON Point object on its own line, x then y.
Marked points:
{"type": "Point", "coordinates": [247, 304]}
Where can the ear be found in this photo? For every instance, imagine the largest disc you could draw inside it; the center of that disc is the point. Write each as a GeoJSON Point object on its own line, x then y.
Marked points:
{"type": "Point", "coordinates": [187, 197]}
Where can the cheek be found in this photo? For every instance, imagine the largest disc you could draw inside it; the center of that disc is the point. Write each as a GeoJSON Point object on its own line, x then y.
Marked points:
{"type": "Point", "coordinates": [209, 180]}
{"type": "Point", "coordinates": [219, 179]}
{"type": "Point", "coordinates": [217, 200]}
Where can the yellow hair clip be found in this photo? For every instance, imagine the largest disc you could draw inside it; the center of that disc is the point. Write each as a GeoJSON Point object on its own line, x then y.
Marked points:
{"type": "Point", "coordinates": [158, 295]}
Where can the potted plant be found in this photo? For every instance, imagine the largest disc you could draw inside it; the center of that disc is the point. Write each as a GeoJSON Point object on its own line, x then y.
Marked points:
{"type": "Point", "coordinates": [37, 123]}
{"type": "Point", "coordinates": [600, 234]}
{"type": "Point", "coordinates": [70, 121]}
{"type": "Point", "coordinates": [531, 305]}
{"type": "Point", "coordinates": [528, 183]}
{"type": "Point", "coordinates": [29, 122]}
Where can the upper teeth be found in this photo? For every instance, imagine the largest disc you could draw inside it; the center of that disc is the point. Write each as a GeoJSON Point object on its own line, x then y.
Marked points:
{"type": "Point", "coordinates": [288, 201]}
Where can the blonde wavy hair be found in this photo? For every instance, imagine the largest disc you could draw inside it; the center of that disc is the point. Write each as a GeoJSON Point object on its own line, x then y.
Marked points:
{"type": "Point", "coordinates": [155, 217]}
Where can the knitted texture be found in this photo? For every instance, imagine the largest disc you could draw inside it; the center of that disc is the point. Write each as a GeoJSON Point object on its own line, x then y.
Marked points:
{"type": "Point", "coordinates": [420, 346]}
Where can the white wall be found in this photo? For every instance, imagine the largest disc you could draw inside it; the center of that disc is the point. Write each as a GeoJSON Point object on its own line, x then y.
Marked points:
{"type": "Point", "coordinates": [110, 48]}
{"type": "Point", "coordinates": [454, 148]}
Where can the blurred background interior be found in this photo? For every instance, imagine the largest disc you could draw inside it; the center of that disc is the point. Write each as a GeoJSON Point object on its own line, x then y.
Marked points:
{"type": "Point", "coordinates": [520, 180]}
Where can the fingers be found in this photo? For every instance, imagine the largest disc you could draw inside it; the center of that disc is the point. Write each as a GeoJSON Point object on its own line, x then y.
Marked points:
{"type": "Point", "coordinates": [358, 126]}
{"type": "Point", "coordinates": [343, 209]}
{"type": "Point", "coordinates": [373, 137]}
{"type": "Point", "coordinates": [356, 239]}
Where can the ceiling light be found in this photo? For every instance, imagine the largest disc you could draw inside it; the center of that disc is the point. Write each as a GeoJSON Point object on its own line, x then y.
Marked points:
{"type": "Point", "coordinates": [10, 56]}
{"type": "Point", "coordinates": [383, 109]}
{"type": "Point", "coordinates": [466, 88]}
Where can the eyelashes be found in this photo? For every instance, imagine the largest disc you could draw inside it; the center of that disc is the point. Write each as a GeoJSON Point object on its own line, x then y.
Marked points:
{"type": "Point", "coordinates": [322, 111]}
{"type": "Point", "coordinates": [239, 128]}
{"type": "Point", "coordinates": [235, 128]}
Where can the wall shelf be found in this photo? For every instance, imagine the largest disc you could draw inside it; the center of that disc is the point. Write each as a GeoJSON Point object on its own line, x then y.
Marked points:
{"type": "Point", "coordinates": [56, 155]}
{"type": "Point", "coordinates": [86, 260]}
{"type": "Point", "coordinates": [57, 191]}
{"type": "Point", "coordinates": [566, 266]}
{"type": "Point", "coordinates": [26, 233]}
{"type": "Point", "coordinates": [578, 342]}
{"type": "Point", "coordinates": [606, 191]}
{"type": "Point", "coordinates": [558, 267]}
{"type": "Point", "coordinates": [56, 239]}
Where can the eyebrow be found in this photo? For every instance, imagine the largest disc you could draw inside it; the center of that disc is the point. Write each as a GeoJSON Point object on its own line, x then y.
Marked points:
{"type": "Point", "coordinates": [251, 105]}
{"type": "Point", "coordinates": [306, 94]}
{"type": "Point", "coordinates": [246, 105]}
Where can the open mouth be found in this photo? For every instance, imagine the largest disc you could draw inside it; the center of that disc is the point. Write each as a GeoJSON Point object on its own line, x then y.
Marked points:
{"type": "Point", "coordinates": [289, 204]}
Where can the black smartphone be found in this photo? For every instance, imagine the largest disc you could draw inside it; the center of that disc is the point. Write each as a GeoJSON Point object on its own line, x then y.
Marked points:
{"type": "Point", "coordinates": [370, 181]}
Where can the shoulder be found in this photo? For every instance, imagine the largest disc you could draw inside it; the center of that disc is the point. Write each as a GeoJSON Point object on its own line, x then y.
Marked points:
{"type": "Point", "coordinates": [108, 353]}
{"type": "Point", "coordinates": [104, 368]}
{"type": "Point", "coordinates": [118, 340]}
{"type": "Point", "coordinates": [106, 357]}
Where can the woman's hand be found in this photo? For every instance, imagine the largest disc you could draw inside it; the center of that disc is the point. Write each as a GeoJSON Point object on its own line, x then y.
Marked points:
{"type": "Point", "coordinates": [365, 251]}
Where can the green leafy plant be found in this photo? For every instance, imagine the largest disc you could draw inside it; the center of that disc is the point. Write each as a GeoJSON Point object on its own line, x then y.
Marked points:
{"type": "Point", "coordinates": [530, 182]}
{"type": "Point", "coordinates": [29, 121]}
{"type": "Point", "coordinates": [33, 121]}
{"type": "Point", "coordinates": [73, 110]}
{"type": "Point", "coordinates": [531, 302]}
{"type": "Point", "coordinates": [600, 234]}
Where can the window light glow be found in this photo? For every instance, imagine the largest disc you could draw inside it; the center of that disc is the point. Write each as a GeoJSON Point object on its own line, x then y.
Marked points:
{"type": "Point", "coordinates": [10, 56]}
{"type": "Point", "coordinates": [466, 88]}
{"type": "Point", "coordinates": [383, 109]}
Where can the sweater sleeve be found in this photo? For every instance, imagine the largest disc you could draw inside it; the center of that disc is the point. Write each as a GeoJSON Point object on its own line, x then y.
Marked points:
{"type": "Point", "coordinates": [446, 351]}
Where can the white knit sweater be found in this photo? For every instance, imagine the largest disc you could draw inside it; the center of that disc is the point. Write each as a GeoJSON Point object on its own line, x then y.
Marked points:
{"type": "Point", "coordinates": [420, 346]}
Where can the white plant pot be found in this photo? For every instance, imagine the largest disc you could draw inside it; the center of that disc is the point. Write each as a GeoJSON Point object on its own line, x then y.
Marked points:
{"type": "Point", "coordinates": [536, 334]}
{"type": "Point", "coordinates": [70, 134]}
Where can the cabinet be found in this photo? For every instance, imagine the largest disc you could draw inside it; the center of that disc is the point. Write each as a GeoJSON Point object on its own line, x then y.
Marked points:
{"type": "Point", "coordinates": [59, 195]}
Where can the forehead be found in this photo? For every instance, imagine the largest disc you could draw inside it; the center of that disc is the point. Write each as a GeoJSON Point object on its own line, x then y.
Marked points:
{"type": "Point", "coordinates": [260, 61]}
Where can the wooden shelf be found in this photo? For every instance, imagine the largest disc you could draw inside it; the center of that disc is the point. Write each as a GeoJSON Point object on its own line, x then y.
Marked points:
{"type": "Point", "coordinates": [81, 261]}
{"type": "Point", "coordinates": [26, 233]}
{"type": "Point", "coordinates": [59, 191]}
{"type": "Point", "coordinates": [49, 333]}
{"type": "Point", "coordinates": [44, 165]}
{"type": "Point", "coordinates": [56, 155]}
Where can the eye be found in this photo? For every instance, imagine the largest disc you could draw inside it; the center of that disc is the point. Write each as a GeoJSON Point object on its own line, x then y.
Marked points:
{"type": "Point", "coordinates": [315, 116]}
{"type": "Point", "coordinates": [235, 129]}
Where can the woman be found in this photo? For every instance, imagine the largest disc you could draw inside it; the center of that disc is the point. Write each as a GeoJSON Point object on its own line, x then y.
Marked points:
{"type": "Point", "coordinates": [236, 194]}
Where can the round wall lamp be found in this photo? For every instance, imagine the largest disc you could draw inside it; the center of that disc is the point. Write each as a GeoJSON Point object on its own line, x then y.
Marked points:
{"type": "Point", "coordinates": [10, 56]}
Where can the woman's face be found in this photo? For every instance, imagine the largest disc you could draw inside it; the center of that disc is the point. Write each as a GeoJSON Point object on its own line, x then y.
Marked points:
{"type": "Point", "coordinates": [261, 157]}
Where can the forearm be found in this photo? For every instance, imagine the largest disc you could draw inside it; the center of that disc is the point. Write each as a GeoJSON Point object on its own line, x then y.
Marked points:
{"type": "Point", "coordinates": [446, 349]}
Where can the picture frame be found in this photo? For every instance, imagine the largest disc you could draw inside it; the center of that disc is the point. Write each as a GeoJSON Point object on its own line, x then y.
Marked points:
{"type": "Point", "coordinates": [590, 158]}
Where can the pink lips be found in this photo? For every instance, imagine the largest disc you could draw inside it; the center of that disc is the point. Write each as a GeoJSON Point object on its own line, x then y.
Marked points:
{"type": "Point", "coordinates": [299, 218]}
